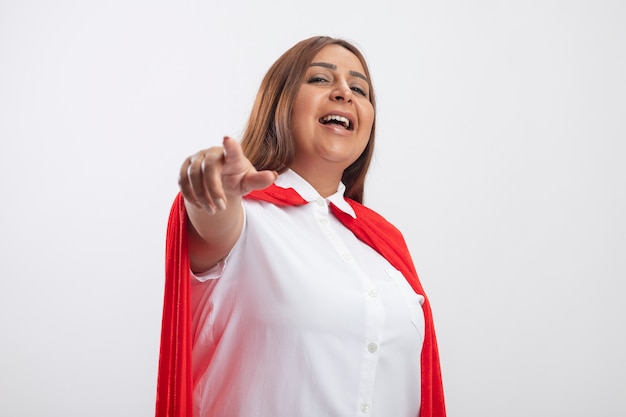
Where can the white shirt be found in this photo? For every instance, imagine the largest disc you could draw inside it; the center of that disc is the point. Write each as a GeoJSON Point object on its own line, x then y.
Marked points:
{"type": "Point", "coordinates": [304, 319]}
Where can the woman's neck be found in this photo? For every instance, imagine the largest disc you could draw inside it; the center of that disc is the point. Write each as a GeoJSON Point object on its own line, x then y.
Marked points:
{"type": "Point", "coordinates": [325, 182]}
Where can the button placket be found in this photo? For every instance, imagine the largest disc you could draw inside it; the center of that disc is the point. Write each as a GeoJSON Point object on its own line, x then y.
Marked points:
{"type": "Point", "coordinates": [374, 310]}
{"type": "Point", "coordinates": [322, 214]}
{"type": "Point", "coordinates": [375, 319]}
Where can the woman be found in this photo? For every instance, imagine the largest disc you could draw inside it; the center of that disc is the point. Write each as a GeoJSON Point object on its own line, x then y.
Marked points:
{"type": "Point", "coordinates": [285, 296]}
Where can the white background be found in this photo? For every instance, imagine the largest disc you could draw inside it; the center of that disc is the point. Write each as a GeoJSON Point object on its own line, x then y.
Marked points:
{"type": "Point", "coordinates": [501, 147]}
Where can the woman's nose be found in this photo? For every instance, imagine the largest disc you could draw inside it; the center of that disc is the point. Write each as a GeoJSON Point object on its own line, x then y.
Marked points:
{"type": "Point", "coordinates": [342, 92]}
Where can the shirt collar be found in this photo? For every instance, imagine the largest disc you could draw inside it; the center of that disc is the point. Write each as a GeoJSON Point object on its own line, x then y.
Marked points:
{"type": "Point", "coordinates": [290, 179]}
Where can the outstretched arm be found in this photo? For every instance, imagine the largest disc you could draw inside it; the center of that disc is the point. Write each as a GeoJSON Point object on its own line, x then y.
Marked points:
{"type": "Point", "coordinates": [213, 181]}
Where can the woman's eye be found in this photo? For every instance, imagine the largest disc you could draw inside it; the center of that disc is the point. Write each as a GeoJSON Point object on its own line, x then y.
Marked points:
{"type": "Point", "coordinates": [317, 79]}
{"type": "Point", "coordinates": [360, 91]}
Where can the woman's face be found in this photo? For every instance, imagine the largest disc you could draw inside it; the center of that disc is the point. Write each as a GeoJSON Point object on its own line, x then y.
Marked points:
{"type": "Point", "coordinates": [332, 116]}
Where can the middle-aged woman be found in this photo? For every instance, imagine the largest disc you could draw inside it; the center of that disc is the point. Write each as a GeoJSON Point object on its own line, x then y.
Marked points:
{"type": "Point", "coordinates": [285, 295]}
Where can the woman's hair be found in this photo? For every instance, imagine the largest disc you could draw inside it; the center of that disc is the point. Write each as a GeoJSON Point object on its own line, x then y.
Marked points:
{"type": "Point", "coordinates": [268, 140]}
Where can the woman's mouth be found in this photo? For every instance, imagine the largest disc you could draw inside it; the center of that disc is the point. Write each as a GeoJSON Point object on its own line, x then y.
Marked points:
{"type": "Point", "coordinates": [336, 119]}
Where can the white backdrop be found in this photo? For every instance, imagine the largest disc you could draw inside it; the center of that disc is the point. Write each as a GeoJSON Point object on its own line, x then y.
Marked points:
{"type": "Point", "coordinates": [500, 156]}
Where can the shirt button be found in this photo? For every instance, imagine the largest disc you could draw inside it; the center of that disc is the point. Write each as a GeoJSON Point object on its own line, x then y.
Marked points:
{"type": "Point", "coordinates": [365, 407]}
{"type": "Point", "coordinates": [346, 256]}
{"type": "Point", "coordinates": [372, 347]}
{"type": "Point", "coordinates": [320, 202]}
{"type": "Point", "coordinates": [372, 292]}
{"type": "Point", "coordinates": [323, 220]}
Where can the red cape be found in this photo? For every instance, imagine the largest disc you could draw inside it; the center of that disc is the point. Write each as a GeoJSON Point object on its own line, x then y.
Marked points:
{"type": "Point", "coordinates": [174, 384]}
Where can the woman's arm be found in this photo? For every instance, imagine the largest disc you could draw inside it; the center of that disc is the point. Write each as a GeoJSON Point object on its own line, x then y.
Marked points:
{"type": "Point", "coordinates": [213, 181]}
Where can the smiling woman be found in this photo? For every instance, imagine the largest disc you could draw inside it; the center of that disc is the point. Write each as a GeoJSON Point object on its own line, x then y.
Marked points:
{"type": "Point", "coordinates": [332, 118]}
{"type": "Point", "coordinates": [285, 295]}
